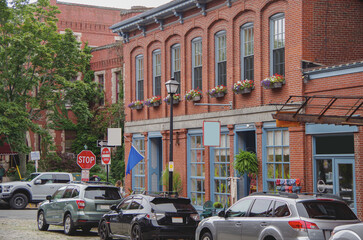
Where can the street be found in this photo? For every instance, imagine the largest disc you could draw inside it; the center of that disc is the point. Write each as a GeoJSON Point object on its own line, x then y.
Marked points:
{"type": "Point", "coordinates": [22, 224]}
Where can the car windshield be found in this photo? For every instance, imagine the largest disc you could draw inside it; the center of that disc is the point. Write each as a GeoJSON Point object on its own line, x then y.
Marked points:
{"type": "Point", "coordinates": [31, 177]}
{"type": "Point", "coordinates": [108, 193]}
{"type": "Point", "coordinates": [172, 205]}
{"type": "Point", "coordinates": [330, 210]}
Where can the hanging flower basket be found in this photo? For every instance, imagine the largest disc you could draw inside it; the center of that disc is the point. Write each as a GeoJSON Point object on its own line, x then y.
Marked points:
{"type": "Point", "coordinates": [275, 81]}
{"type": "Point", "coordinates": [217, 92]}
{"type": "Point", "coordinates": [193, 95]}
{"type": "Point", "coordinates": [136, 105]}
{"type": "Point", "coordinates": [154, 101]}
{"type": "Point", "coordinates": [176, 99]}
{"type": "Point", "coordinates": [243, 87]}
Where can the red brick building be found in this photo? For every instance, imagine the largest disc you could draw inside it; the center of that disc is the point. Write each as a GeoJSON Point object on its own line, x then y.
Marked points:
{"type": "Point", "coordinates": [203, 44]}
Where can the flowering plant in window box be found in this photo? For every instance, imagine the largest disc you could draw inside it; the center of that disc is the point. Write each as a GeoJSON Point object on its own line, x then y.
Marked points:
{"type": "Point", "coordinates": [154, 101]}
{"type": "Point", "coordinates": [218, 91]}
{"type": "Point", "coordinates": [136, 105]}
{"type": "Point", "coordinates": [193, 95]}
{"type": "Point", "coordinates": [244, 86]}
{"type": "Point", "coordinates": [176, 99]}
{"type": "Point", "coordinates": [275, 81]}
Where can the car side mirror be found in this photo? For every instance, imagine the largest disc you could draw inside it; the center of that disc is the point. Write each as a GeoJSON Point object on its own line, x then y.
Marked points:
{"type": "Point", "coordinates": [49, 198]}
{"type": "Point", "coordinates": [37, 182]}
{"type": "Point", "coordinates": [222, 213]}
{"type": "Point", "coordinates": [113, 207]}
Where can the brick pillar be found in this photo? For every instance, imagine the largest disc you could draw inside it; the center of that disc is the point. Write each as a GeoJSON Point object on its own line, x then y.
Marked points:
{"type": "Point", "coordinates": [259, 154]}
{"type": "Point", "coordinates": [128, 178]}
{"type": "Point", "coordinates": [297, 154]}
{"type": "Point", "coordinates": [358, 154]}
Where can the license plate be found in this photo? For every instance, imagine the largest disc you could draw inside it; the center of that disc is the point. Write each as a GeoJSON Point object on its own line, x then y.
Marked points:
{"type": "Point", "coordinates": [104, 207]}
{"type": "Point", "coordinates": [177, 220]}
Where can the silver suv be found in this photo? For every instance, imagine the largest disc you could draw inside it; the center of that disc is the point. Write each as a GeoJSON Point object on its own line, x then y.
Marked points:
{"type": "Point", "coordinates": [278, 216]}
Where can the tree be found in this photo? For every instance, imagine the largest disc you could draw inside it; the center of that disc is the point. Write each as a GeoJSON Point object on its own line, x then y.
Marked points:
{"type": "Point", "coordinates": [36, 64]}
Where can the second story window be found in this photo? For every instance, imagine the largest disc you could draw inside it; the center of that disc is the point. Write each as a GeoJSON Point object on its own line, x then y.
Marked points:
{"type": "Point", "coordinates": [157, 73]}
{"type": "Point", "coordinates": [101, 88]}
{"type": "Point", "coordinates": [119, 85]}
{"type": "Point", "coordinates": [197, 63]}
{"type": "Point", "coordinates": [277, 44]}
{"type": "Point", "coordinates": [221, 58]}
{"type": "Point", "coordinates": [247, 52]}
{"type": "Point", "coordinates": [139, 77]}
{"type": "Point", "coordinates": [175, 63]}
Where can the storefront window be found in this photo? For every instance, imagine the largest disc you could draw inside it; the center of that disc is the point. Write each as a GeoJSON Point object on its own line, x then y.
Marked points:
{"type": "Point", "coordinates": [197, 170]}
{"type": "Point", "coordinates": [138, 172]}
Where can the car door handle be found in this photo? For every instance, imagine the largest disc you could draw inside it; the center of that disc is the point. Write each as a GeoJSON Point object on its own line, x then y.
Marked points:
{"type": "Point", "coordinates": [238, 224]}
{"type": "Point", "coordinates": [263, 224]}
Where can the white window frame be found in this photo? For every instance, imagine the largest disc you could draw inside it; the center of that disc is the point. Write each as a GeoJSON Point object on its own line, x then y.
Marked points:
{"type": "Point", "coordinates": [220, 40]}
{"type": "Point", "coordinates": [246, 45]}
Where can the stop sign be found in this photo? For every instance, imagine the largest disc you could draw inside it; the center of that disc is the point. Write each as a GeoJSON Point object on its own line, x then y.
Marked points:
{"type": "Point", "coordinates": [106, 155]}
{"type": "Point", "coordinates": [86, 159]}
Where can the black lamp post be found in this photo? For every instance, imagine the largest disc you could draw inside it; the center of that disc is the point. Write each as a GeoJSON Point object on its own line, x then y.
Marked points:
{"type": "Point", "coordinates": [172, 87]}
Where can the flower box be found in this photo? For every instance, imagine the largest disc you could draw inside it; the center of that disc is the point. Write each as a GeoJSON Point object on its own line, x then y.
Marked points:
{"type": "Point", "coordinates": [176, 99]}
{"type": "Point", "coordinates": [243, 87]}
{"type": "Point", "coordinates": [275, 81]}
{"type": "Point", "coordinates": [193, 95]}
{"type": "Point", "coordinates": [217, 92]}
{"type": "Point", "coordinates": [154, 101]}
{"type": "Point", "coordinates": [136, 105]}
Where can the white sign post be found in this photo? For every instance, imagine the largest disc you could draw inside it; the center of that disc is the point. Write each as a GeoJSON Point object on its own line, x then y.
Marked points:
{"type": "Point", "coordinates": [35, 156]}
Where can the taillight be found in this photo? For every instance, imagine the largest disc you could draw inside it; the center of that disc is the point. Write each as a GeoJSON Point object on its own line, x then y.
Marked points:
{"type": "Point", "coordinates": [155, 216]}
{"type": "Point", "coordinates": [195, 217]}
{"type": "Point", "coordinates": [302, 225]}
{"type": "Point", "coordinates": [80, 204]}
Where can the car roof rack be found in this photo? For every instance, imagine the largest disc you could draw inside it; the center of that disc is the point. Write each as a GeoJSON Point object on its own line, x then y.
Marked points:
{"type": "Point", "coordinates": [159, 194]}
{"type": "Point", "coordinates": [91, 182]}
{"type": "Point", "coordinates": [326, 195]}
{"type": "Point", "coordinates": [281, 194]}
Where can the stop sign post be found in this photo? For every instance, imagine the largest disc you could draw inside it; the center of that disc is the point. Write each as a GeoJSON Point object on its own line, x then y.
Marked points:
{"type": "Point", "coordinates": [86, 159]}
{"type": "Point", "coordinates": [106, 156]}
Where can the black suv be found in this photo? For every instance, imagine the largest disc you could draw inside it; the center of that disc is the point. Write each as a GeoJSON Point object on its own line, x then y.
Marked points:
{"type": "Point", "coordinates": [150, 216]}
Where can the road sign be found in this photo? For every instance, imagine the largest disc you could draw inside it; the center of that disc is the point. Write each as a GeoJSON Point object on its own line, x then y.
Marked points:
{"type": "Point", "coordinates": [86, 159]}
{"type": "Point", "coordinates": [106, 156]}
{"type": "Point", "coordinates": [85, 175]}
{"type": "Point", "coordinates": [102, 143]}
{"type": "Point", "coordinates": [35, 155]}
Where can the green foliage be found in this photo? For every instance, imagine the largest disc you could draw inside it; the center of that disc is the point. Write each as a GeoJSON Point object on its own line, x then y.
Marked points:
{"type": "Point", "coordinates": [217, 205]}
{"type": "Point", "coordinates": [177, 183]}
{"type": "Point", "coordinates": [246, 162]}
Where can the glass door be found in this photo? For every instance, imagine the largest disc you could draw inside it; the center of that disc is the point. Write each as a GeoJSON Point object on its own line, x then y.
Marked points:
{"type": "Point", "coordinates": [345, 181]}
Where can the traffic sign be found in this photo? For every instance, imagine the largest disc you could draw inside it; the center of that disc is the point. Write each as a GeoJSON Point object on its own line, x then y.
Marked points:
{"type": "Point", "coordinates": [102, 143]}
{"type": "Point", "coordinates": [106, 156]}
{"type": "Point", "coordinates": [86, 159]}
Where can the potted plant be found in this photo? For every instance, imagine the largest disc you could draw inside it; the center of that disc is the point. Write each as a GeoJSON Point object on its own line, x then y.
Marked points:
{"type": "Point", "coordinates": [136, 105]}
{"type": "Point", "coordinates": [177, 183]}
{"type": "Point", "coordinates": [193, 95]}
{"type": "Point", "coordinates": [154, 101]}
{"type": "Point", "coordinates": [243, 87]}
{"type": "Point", "coordinates": [275, 81]}
{"type": "Point", "coordinates": [217, 92]}
{"type": "Point", "coordinates": [246, 164]}
{"type": "Point", "coordinates": [176, 99]}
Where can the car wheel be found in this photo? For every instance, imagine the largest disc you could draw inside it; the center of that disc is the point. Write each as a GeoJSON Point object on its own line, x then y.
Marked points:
{"type": "Point", "coordinates": [207, 236]}
{"type": "Point", "coordinates": [103, 231]}
{"type": "Point", "coordinates": [86, 229]}
{"type": "Point", "coordinates": [136, 233]}
{"type": "Point", "coordinates": [42, 225]}
{"type": "Point", "coordinates": [19, 201]}
{"type": "Point", "coordinates": [69, 228]}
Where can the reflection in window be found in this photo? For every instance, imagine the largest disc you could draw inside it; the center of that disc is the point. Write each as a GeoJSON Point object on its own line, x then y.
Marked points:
{"type": "Point", "coordinates": [138, 172]}
{"type": "Point", "coordinates": [261, 208]}
{"type": "Point", "coordinates": [139, 77]}
{"type": "Point", "coordinates": [221, 58]}
{"type": "Point", "coordinates": [277, 156]}
{"type": "Point", "coordinates": [281, 209]}
{"type": "Point", "coordinates": [197, 170]}
{"type": "Point", "coordinates": [247, 51]}
{"type": "Point", "coordinates": [197, 63]}
{"type": "Point", "coordinates": [278, 43]}
{"type": "Point", "coordinates": [157, 73]}
{"type": "Point", "coordinates": [175, 63]}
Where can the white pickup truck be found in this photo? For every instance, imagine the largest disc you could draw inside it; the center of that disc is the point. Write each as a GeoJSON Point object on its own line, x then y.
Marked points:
{"type": "Point", "coordinates": [33, 189]}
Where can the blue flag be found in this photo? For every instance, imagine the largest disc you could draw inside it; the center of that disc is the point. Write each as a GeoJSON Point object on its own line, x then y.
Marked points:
{"type": "Point", "coordinates": [134, 158]}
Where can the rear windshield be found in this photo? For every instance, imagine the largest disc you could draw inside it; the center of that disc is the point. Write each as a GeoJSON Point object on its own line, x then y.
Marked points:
{"type": "Point", "coordinates": [318, 209]}
{"type": "Point", "coordinates": [108, 193]}
{"type": "Point", "coordinates": [172, 205]}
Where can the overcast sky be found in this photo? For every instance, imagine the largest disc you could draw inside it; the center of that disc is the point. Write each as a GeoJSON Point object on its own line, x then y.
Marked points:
{"type": "Point", "coordinates": [127, 4]}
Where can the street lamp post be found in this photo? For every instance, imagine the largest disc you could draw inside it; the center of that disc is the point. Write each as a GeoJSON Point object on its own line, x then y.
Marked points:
{"type": "Point", "coordinates": [172, 88]}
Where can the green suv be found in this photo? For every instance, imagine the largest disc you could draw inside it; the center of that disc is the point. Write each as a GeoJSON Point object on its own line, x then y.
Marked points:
{"type": "Point", "coordinates": [79, 205]}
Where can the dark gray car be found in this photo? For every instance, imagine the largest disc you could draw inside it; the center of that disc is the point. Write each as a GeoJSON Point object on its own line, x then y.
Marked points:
{"type": "Point", "coordinates": [277, 217]}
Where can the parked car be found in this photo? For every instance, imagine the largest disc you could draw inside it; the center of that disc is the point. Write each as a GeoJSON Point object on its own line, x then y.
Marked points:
{"type": "Point", "coordinates": [277, 216]}
{"type": "Point", "coordinates": [348, 232]}
{"type": "Point", "coordinates": [33, 189]}
{"type": "Point", "coordinates": [150, 216]}
{"type": "Point", "coordinates": [76, 206]}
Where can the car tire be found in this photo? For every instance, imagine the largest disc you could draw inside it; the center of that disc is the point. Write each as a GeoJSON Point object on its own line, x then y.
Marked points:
{"type": "Point", "coordinates": [136, 232]}
{"type": "Point", "coordinates": [207, 236]}
{"type": "Point", "coordinates": [42, 224]}
{"type": "Point", "coordinates": [19, 201]}
{"type": "Point", "coordinates": [69, 228]}
{"type": "Point", "coordinates": [103, 231]}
